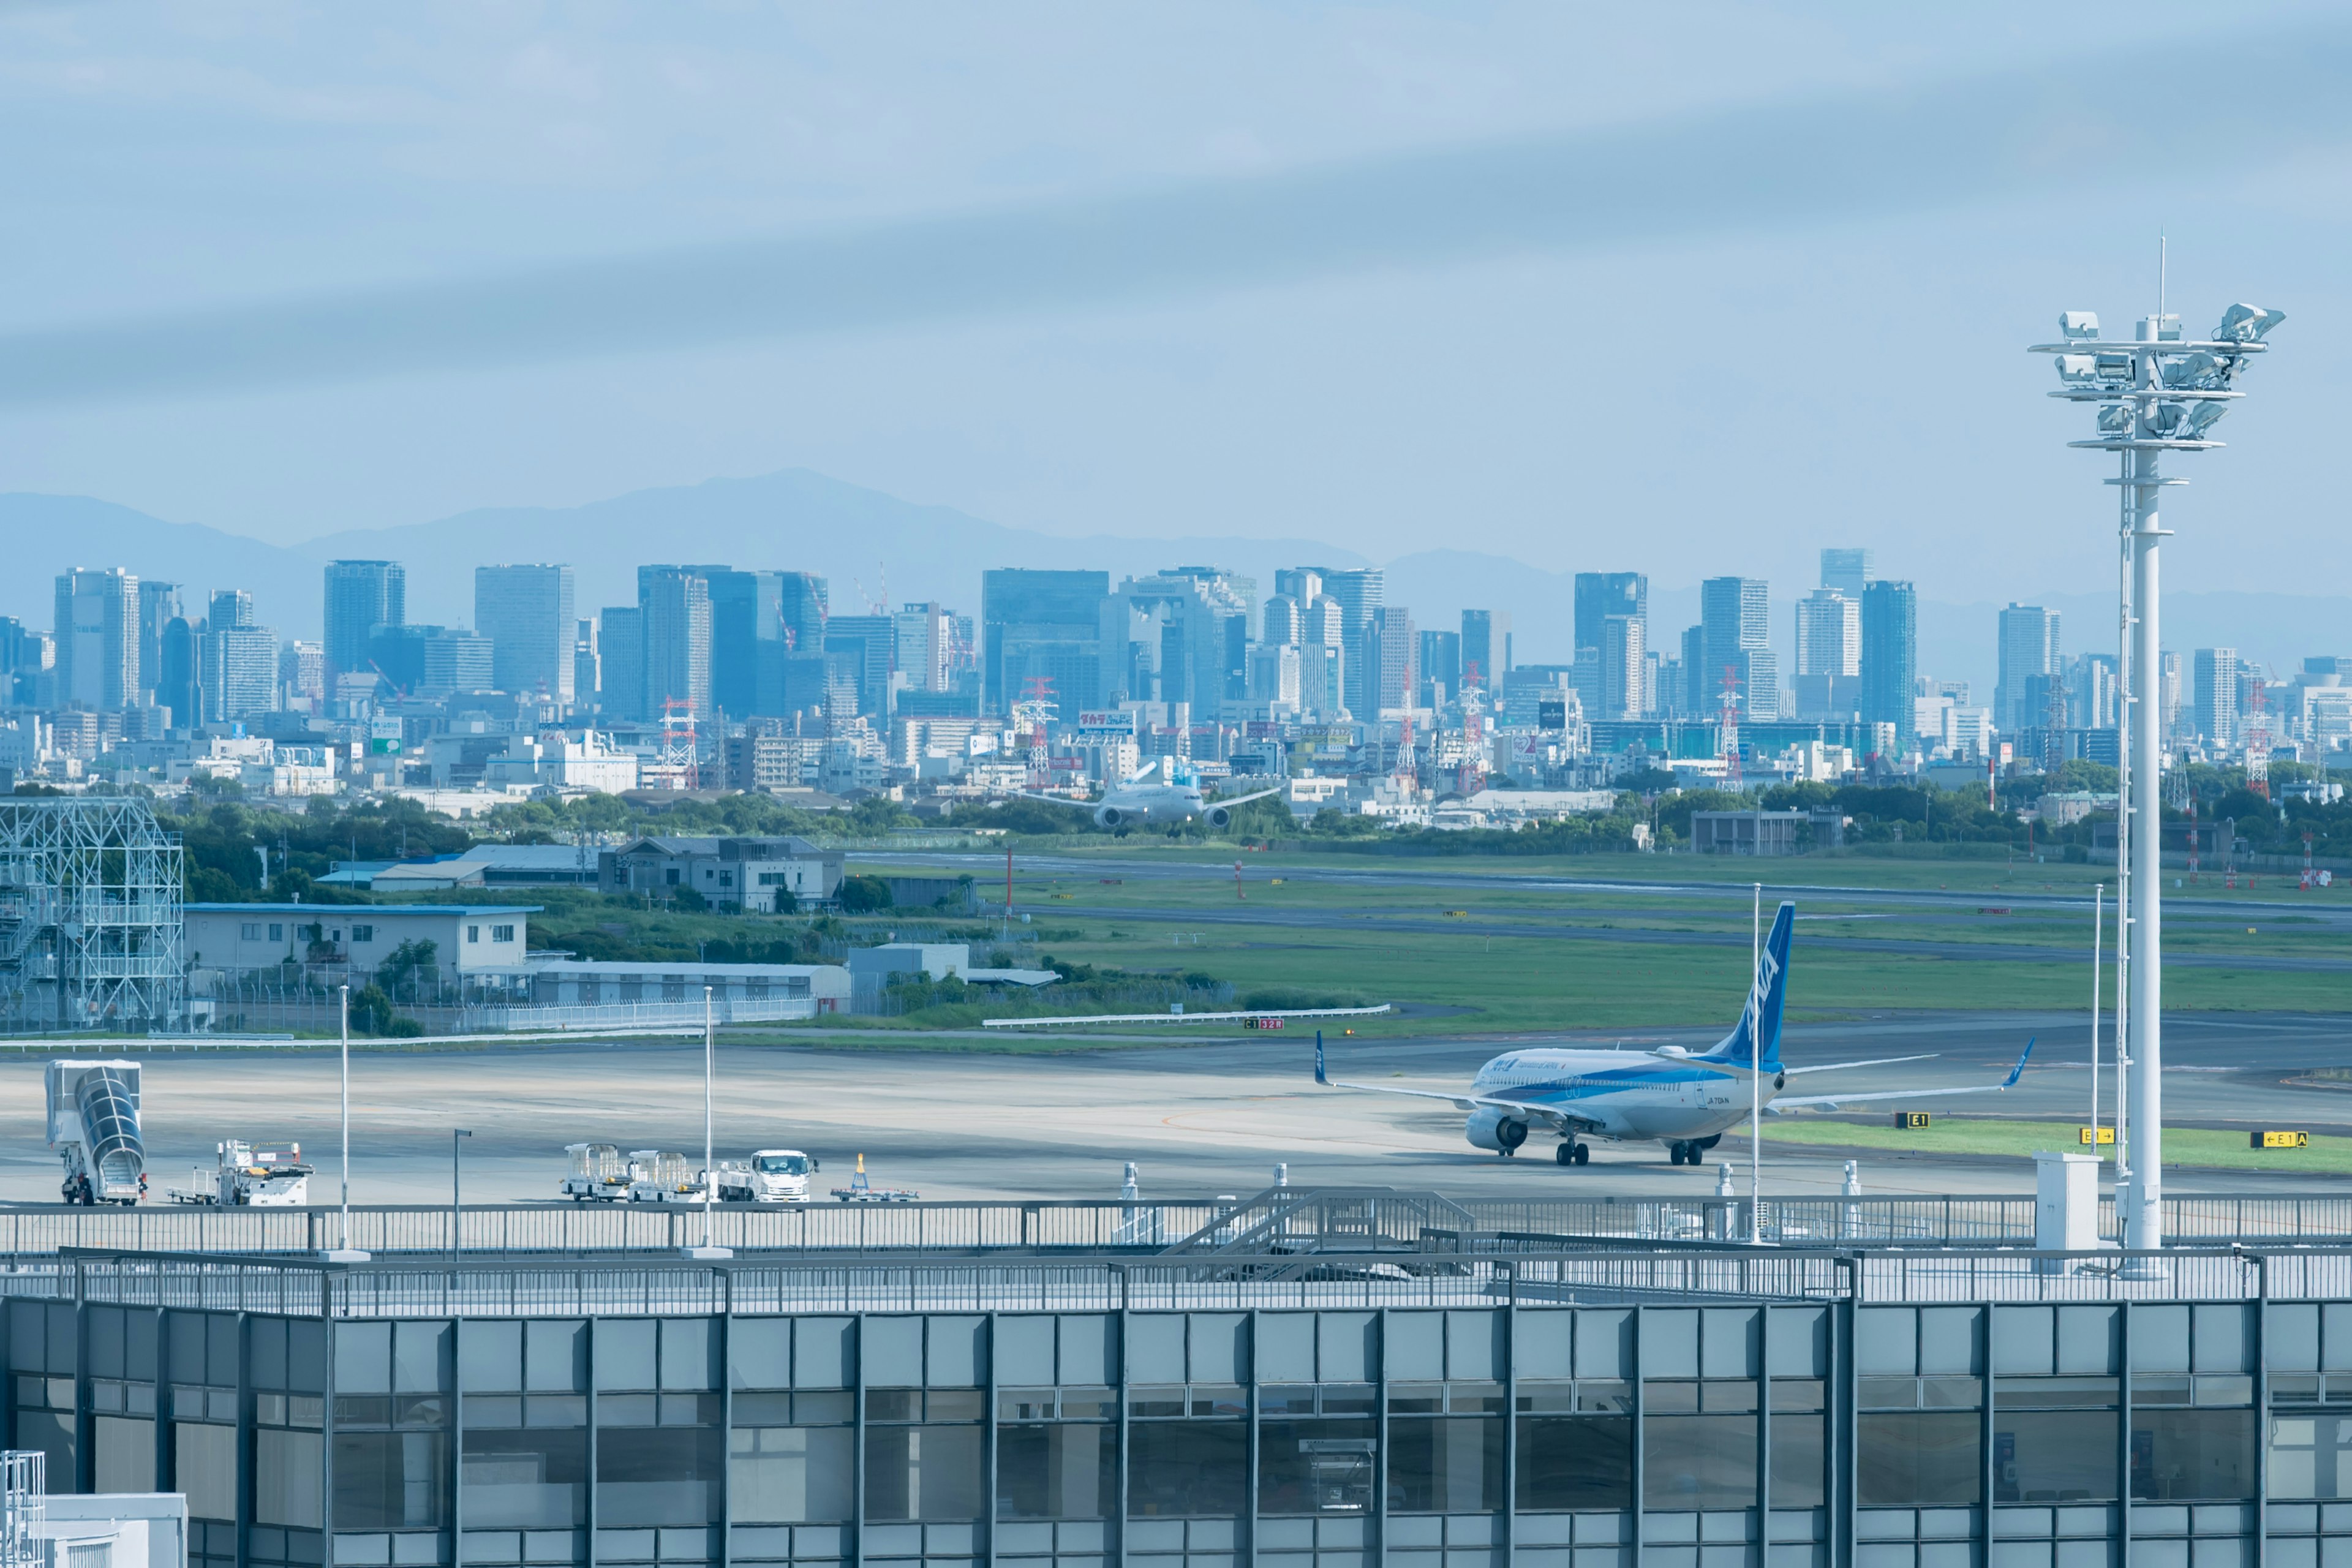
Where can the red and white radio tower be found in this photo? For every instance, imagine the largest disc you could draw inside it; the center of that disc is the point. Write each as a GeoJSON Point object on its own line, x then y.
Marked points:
{"type": "Point", "coordinates": [1729, 721]}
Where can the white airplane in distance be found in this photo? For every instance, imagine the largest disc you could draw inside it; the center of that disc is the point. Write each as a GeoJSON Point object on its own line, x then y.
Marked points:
{"type": "Point", "coordinates": [1176, 798]}
{"type": "Point", "coordinates": [1673, 1096]}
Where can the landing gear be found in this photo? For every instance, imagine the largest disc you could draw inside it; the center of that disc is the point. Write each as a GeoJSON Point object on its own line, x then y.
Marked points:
{"type": "Point", "coordinates": [1681, 1153]}
{"type": "Point", "coordinates": [1571, 1153]}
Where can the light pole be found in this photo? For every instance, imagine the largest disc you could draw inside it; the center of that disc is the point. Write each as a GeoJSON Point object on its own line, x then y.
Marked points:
{"type": "Point", "coordinates": [345, 1252]}
{"type": "Point", "coordinates": [2156, 392]}
{"type": "Point", "coordinates": [457, 1205]}
{"type": "Point", "coordinates": [709, 1165]}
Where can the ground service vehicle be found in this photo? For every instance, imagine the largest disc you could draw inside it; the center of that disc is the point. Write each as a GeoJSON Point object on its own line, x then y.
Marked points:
{"type": "Point", "coordinates": [93, 1113]}
{"type": "Point", "coordinates": [249, 1178]}
{"type": "Point", "coordinates": [597, 1174]}
{"type": "Point", "coordinates": [770, 1176]}
{"type": "Point", "coordinates": [662, 1176]}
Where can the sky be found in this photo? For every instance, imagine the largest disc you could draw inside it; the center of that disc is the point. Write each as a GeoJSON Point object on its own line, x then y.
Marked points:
{"type": "Point", "coordinates": [1684, 289]}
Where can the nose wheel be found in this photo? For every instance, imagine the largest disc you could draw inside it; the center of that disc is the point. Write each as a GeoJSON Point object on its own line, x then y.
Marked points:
{"type": "Point", "coordinates": [1572, 1154]}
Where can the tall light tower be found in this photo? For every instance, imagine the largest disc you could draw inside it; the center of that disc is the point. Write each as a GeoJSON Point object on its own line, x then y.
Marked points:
{"type": "Point", "coordinates": [2155, 392]}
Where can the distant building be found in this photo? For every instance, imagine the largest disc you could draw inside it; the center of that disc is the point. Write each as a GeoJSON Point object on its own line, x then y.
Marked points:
{"type": "Point", "coordinates": [432, 661]}
{"type": "Point", "coordinates": [1846, 572]}
{"type": "Point", "coordinates": [239, 670]}
{"type": "Point", "coordinates": [239, 938]}
{"type": "Point", "coordinates": [924, 642]}
{"type": "Point", "coordinates": [360, 596]}
{"type": "Point", "coordinates": [1358, 595]}
{"type": "Point", "coordinates": [1486, 646]}
{"type": "Point", "coordinates": [1601, 594]}
{"type": "Point", "coordinates": [179, 676]}
{"type": "Point", "coordinates": [1736, 646]}
{"type": "Point", "coordinates": [302, 674]}
{"type": "Point", "coordinates": [2214, 694]}
{"type": "Point", "coordinates": [1890, 658]}
{"type": "Point", "coordinates": [729, 873]}
{"type": "Point", "coordinates": [98, 638]}
{"type": "Point", "coordinates": [1388, 652]}
{"type": "Point", "coordinates": [621, 656]}
{"type": "Point", "coordinates": [1441, 667]}
{"type": "Point", "coordinates": [674, 602]}
{"type": "Point", "coordinates": [527, 614]}
{"type": "Point", "coordinates": [159, 606]}
{"type": "Point", "coordinates": [2029, 653]}
{"type": "Point", "coordinates": [1765, 833]}
{"type": "Point", "coordinates": [1044, 627]}
{"type": "Point", "coordinates": [1622, 672]}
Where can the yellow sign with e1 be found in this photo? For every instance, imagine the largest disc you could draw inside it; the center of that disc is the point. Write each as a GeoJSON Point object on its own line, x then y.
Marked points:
{"type": "Point", "coordinates": [1910, 1120]}
{"type": "Point", "coordinates": [2091, 1135]}
{"type": "Point", "coordinates": [2279, 1139]}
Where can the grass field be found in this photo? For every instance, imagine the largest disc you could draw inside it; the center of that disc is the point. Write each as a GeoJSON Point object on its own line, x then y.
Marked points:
{"type": "Point", "coordinates": [2192, 1147]}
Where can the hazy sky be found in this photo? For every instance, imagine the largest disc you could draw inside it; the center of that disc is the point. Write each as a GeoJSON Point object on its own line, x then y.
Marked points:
{"type": "Point", "coordinates": [1683, 288]}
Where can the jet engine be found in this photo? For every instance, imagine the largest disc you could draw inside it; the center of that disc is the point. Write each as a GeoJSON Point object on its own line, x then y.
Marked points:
{"type": "Point", "coordinates": [1491, 1127]}
{"type": "Point", "coordinates": [1111, 817]}
{"type": "Point", "coordinates": [1218, 817]}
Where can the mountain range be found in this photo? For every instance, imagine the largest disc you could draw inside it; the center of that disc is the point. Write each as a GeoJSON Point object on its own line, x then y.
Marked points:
{"type": "Point", "coordinates": [872, 545]}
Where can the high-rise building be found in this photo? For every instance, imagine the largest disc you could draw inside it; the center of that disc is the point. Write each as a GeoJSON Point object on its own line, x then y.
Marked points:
{"type": "Point", "coordinates": [360, 596]}
{"type": "Point", "coordinates": [238, 668]}
{"type": "Point", "coordinates": [2094, 694]}
{"type": "Point", "coordinates": [1044, 627]}
{"type": "Point", "coordinates": [621, 656]}
{"type": "Point", "coordinates": [1890, 658]}
{"type": "Point", "coordinates": [676, 601]}
{"type": "Point", "coordinates": [747, 634]}
{"type": "Point", "coordinates": [1357, 594]}
{"type": "Point", "coordinates": [587, 666]}
{"type": "Point", "coordinates": [2029, 651]}
{"type": "Point", "coordinates": [1182, 635]}
{"type": "Point", "coordinates": [527, 614]}
{"type": "Point", "coordinates": [433, 661]}
{"type": "Point", "coordinates": [1388, 653]}
{"type": "Point", "coordinates": [98, 638]}
{"type": "Point", "coordinates": [1623, 666]}
{"type": "Point", "coordinates": [302, 675]}
{"type": "Point", "coordinates": [1601, 594]}
{"type": "Point", "coordinates": [1846, 572]}
{"type": "Point", "coordinates": [159, 602]}
{"type": "Point", "coordinates": [179, 672]}
{"type": "Point", "coordinates": [1829, 634]}
{"type": "Point", "coordinates": [1733, 612]}
{"type": "Point", "coordinates": [1486, 648]}
{"type": "Point", "coordinates": [230, 609]}
{"type": "Point", "coordinates": [1322, 658]}
{"type": "Point", "coordinates": [2213, 693]}
{"type": "Point", "coordinates": [1441, 667]}
{"type": "Point", "coordinates": [1696, 701]}
{"type": "Point", "coordinates": [860, 655]}
{"type": "Point", "coordinates": [1282, 622]}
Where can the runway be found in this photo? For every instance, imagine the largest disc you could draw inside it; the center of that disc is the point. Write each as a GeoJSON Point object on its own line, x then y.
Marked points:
{"type": "Point", "coordinates": [1210, 1117]}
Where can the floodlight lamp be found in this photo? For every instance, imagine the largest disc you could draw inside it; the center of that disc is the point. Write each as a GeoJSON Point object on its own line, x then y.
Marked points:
{"type": "Point", "coordinates": [2199, 372]}
{"type": "Point", "coordinates": [2244, 323]}
{"type": "Point", "coordinates": [2116, 368]}
{"type": "Point", "coordinates": [2114, 419]}
{"type": "Point", "coordinates": [2078, 370]}
{"type": "Point", "coordinates": [2167, 420]}
{"type": "Point", "coordinates": [2078, 323]}
{"type": "Point", "coordinates": [2204, 417]}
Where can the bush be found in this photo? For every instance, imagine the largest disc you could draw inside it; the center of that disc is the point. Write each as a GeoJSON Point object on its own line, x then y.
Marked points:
{"type": "Point", "coordinates": [864, 895]}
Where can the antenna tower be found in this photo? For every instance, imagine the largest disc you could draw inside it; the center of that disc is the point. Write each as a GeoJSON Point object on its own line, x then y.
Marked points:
{"type": "Point", "coordinates": [1728, 747]}
{"type": "Point", "coordinates": [2258, 741]}
{"type": "Point", "coordinates": [679, 764]}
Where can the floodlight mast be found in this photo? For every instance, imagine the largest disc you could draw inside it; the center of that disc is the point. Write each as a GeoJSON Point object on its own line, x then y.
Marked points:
{"type": "Point", "coordinates": [2155, 392]}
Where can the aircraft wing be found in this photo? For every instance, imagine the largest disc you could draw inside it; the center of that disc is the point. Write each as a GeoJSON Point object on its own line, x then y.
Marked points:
{"type": "Point", "coordinates": [1245, 799]}
{"type": "Point", "coordinates": [1830, 1101]}
{"type": "Point", "coordinates": [1056, 799]}
{"type": "Point", "coordinates": [1878, 1062]}
{"type": "Point", "coordinates": [1551, 1115]}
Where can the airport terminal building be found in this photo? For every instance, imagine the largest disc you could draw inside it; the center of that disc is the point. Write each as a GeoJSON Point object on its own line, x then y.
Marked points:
{"type": "Point", "coordinates": [1311, 1380]}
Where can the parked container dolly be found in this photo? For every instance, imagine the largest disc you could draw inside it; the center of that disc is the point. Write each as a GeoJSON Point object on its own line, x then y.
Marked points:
{"type": "Point", "coordinates": [248, 1177]}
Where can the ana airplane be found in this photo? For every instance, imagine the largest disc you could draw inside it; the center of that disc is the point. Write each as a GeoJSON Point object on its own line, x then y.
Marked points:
{"type": "Point", "coordinates": [1684, 1099]}
{"type": "Point", "coordinates": [1176, 798]}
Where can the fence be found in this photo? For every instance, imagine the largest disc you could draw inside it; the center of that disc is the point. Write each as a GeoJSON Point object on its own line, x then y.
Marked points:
{"type": "Point", "coordinates": [1310, 1219]}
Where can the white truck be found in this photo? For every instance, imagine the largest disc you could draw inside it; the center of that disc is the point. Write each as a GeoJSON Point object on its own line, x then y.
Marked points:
{"type": "Point", "coordinates": [770, 1176]}
{"type": "Point", "coordinates": [94, 1127]}
{"type": "Point", "coordinates": [598, 1175]}
{"type": "Point", "coordinates": [249, 1178]}
{"type": "Point", "coordinates": [662, 1176]}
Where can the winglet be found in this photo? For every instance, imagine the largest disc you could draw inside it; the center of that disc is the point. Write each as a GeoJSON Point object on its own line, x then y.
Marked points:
{"type": "Point", "coordinates": [2018, 1070]}
{"type": "Point", "coordinates": [1319, 1061]}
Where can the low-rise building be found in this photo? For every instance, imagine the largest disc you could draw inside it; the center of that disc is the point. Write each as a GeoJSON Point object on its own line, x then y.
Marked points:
{"type": "Point", "coordinates": [2065, 809]}
{"type": "Point", "coordinates": [729, 873]}
{"type": "Point", "coordinates": [466, 938]}
{"type": "Point", "coordinates": [576, 983]}
{"type": "Point", "coordinates": [1766, 832]}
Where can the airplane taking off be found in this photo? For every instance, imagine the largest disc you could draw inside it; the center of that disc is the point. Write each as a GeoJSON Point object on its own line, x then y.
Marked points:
{"type": "Point", "coordinates": [1175, 798]}
{"type": "Point", "coordinates": [1683, 1099]}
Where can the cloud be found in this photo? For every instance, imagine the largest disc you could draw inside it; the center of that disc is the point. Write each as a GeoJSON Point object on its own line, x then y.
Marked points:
{"type": "Point", "coordinates": [2164, 114]}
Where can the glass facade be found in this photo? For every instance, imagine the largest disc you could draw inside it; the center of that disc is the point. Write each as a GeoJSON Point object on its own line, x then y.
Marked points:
{"type": "Point", "coordinates": [1786, 1433]}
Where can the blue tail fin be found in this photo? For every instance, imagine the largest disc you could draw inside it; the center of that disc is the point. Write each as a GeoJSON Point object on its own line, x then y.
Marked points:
{"type": "Point", "coordinates": [1768, 991]}
{"type": "Point", "coordinates": [1318, 1058]}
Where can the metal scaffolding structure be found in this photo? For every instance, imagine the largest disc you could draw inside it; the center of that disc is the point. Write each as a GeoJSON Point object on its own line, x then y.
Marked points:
{"type": "Point", "coordinates": [89, 917]}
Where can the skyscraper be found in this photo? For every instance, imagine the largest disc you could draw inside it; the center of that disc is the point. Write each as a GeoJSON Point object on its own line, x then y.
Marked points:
{"type": "Point", "coordinates": [360, 596]}
{"type": "Point", "coordinates": [1732, 613]}
{"type": "Point", "coordinates": [1043, 625]}
{"type": "Point", "coordinates": [433, 661]}
{"type": "Point", "coordinates": [1846, 572]}
{"type": "Point", "coordinates": [1695, 698]}
{"type": "Point", "coordinates": [179, 673]}
{"type": "Point", "coordinates": [1441, 665]}
{"type": "Point", "coordinates": [1601, 594]}
{"type": "Point", "coordinates": [239, 670]}
{"type": "Point", "coordinates": [230, 609]}
{"type": "Point", "coordinates": [1890, 658]}
{"type": "Point", "coordinates": [676, 604]}
{"type": "Point", "coordinates": [1389, 652]}
{"type": "Point", "coordinates": [2029, 651]}
{"type": "Point", "coordinates": [1357, 594]}
{"type": "Point", "coordinates": [159, 602]}
{"type": "Point", "coordinates": [2213, 693]}
{"type": "Point", "coordinates": [1487, 646]}
{"type": "Point", "coordinates": [1829, 654]}
{"type": "Point", "coordinates": [527, 614]}
{"type": "Point", "coordinates": [621, 660]}
{"type": "Point", "coordinates": [98, 638]}
{"type": "Point", "coordinates": [926, 646]}
{"type": "Point", "coordinates": [1623, 666]}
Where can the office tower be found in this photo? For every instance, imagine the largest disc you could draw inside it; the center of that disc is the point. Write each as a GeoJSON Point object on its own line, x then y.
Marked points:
{"type": "Point", "coordinates": [1694, 694]}
{"type": "Point", "coordinates": [2214, 694]}
{"type": "Point", "coordinates": [1274, 675]}
{"type": "Point", "coordinates": [1357, 594]}
{"type": "Point", "coordinates": [179, 672]}
{"type": "Point", "coordinates": [1601, 594]}
{"type": "Point", "coordinates": [1732, 612]}
{"type": "Point", "coordinates": [1304, 584]}
{"type": "Point", "coordinates": [238, 668]}
{"type": "Point", "coordinates": [1441, 667]}
{"type": "Point", "coordinates": [587, 672]}
{"type": "Point", "coordinates": [860, 654]}
{"type": "Point", "coordinates": [1487, 646]}
{"type": "Point", "coordinates": [925, 655]}
{"type": "Point", "coordinates": [1622, 666]}
{"type": "Point", "coordinates": [2093, 692]}
{"type": "Point", "coordinates": [1283, 622]}
{"type": "Point", "coordinates": [302, 675]}
{"type": "Point", "coordinates": [2029, 650]}
{"type": "Point", "coordinates": [1322, 658]}
{"type": "Point", "coordinates": [229, 609]}
{"type": "Point", "coordinates": [360, 596]}
{"type": "Point", "coordinates": [527, 614]}
{"type": "Point", "coordinates": [675, 601]}
{"type": "Point", "coordinates": [1182, 635]}
{"type": "Point", "coordinates": [433, 661]}
{"type": "Point", "coordinates": [1846, 572]}
{"type": "Point", "coordinates": [1890, 658]}
{"type": "Point", "coordinates": [747, 636]}
{"type": "Point", "coordinates": [159, 602]}
{"type": "Point", "coordinates": [1388, 656]}
{"type": "Point", "coordinates": [98, 638]}
{"type": "Point", "coordinates": [1048, 626]}
{"type": "Point", "coordinates": [25, 655]}
{"type": "Point", "coordinates": [1829, 634]}
{"type": "Point", "coordinates": [621, 655]}
{"type": "Point", "coordinates": [804, 600]}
